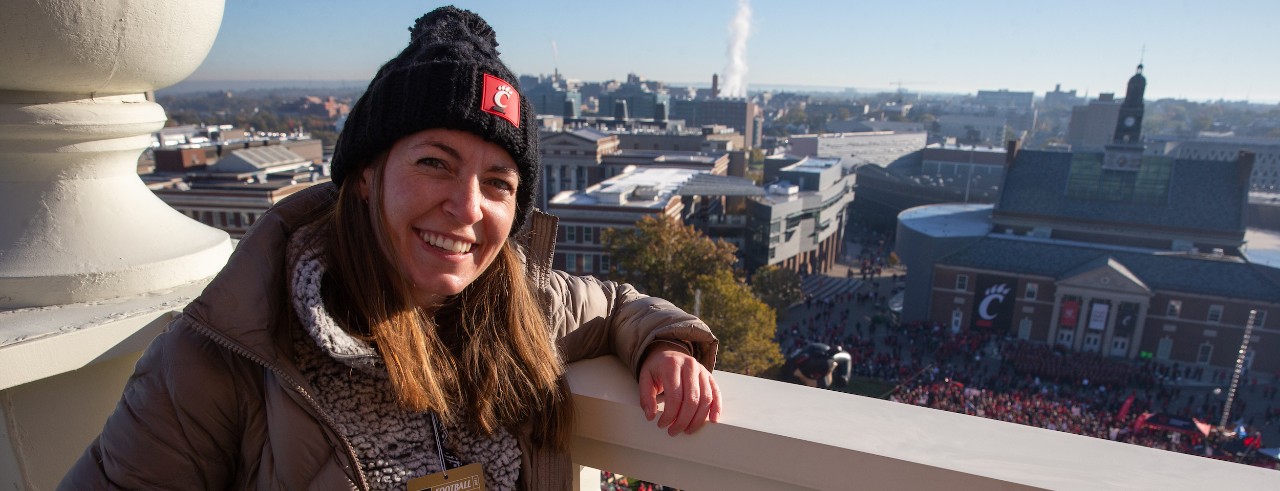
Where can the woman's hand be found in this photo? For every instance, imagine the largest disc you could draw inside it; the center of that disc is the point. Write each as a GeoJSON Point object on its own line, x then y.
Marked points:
{"type": "Point", "coordinates": [691, 395]}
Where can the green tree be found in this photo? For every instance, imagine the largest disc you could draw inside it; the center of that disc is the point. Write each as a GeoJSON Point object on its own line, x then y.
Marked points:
{"type": "Point", "coordinates": [743, 323]}
{"type": "Point", "coordinates": [779, 288]}
{"type": "Point", "coordinates": [663, 258]}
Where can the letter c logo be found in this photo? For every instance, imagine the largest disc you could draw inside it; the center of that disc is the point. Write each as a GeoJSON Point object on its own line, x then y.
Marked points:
{"type": "Point", "coordinates": [501, 97]}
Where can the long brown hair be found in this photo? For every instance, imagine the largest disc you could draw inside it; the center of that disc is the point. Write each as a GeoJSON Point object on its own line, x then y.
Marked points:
{"type": "Point", "coordinates": [484, 358]}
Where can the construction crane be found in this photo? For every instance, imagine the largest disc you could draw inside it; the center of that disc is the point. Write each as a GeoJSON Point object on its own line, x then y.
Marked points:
{"type": "Point", "coordinates": [900, 83]}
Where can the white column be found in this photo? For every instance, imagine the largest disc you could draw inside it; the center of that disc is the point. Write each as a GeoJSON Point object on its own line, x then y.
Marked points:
{"type": "Point", "coordinates": [1108, 334]}
{"type": "Point", "coordinates": [1053, 319]}
{"type": "Point", "coordinates": [78, 224]}
{"type": "Point", "coordinates": [1136, 338]}
{"type": "Point", "coordinates": [1082, 323]}
{"type": "Point", "coordinates": [81, 237]}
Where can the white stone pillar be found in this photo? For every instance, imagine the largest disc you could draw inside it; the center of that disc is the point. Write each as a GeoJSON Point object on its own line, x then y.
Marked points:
{"type": "Point", "coordinates": [78, 224]}
{"type": "Point", "coordinates": [81, 237]}
{"type": "Point", "coordinates": [1053, 319]}
{"type": "Point", "coordinates": [1136, 338]}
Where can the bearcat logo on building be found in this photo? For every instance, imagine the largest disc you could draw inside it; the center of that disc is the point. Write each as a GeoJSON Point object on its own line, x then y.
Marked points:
{"type": "Point", "coordinates": [500, 99]}
{"type": "Point", "coordinates": [995, 293]}
{"type": "Point", "coordinates": [994, 309]}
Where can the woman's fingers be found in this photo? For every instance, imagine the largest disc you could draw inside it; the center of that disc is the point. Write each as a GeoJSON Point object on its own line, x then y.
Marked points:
{"type": "Point", "coordinates": [690, 392]}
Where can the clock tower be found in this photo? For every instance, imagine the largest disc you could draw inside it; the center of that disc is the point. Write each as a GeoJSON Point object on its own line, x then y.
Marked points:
{"type": "Point", "coordinates": [1129, 124]}
{"type": "Point", "coordinates": [1125, 150]}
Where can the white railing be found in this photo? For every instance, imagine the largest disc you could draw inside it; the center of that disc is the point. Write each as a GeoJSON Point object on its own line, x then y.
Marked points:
{"type": "Point", "coordinates": [776, 436]}
{"type": "Point", "coordinates": [58, 388]}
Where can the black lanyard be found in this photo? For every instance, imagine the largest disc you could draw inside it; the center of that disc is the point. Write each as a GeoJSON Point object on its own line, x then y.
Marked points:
{"type": "Point", "coordinates": [447, 459]}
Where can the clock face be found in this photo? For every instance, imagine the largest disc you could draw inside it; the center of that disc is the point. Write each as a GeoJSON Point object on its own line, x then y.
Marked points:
{"type": "Point", "coordinates": [1129, 121]}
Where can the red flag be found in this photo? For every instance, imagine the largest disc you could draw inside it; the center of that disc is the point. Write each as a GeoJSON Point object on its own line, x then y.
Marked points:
{"type": "Point", "coordinates": [1142, 419]}
{"type": "Point", "coordinates": [1202, 426]}
{"type": "Point", "coordinates": [1124, 408]}
{"type": "Point", "coordinates": [1254, 441]}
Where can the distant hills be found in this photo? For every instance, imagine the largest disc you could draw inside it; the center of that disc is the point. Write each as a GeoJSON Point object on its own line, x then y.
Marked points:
{"type": "Point", "coordinates": [199, 86]}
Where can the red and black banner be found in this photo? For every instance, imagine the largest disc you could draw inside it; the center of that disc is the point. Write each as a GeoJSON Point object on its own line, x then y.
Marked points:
{"type": "Point", "coordinates": [1126, 319]}
{"type": "Point", "coordinates": [1070, 313]}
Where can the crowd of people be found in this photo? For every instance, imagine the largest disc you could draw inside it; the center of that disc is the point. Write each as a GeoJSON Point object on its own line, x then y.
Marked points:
{"type": "Point", "coordinates": [982, 374]}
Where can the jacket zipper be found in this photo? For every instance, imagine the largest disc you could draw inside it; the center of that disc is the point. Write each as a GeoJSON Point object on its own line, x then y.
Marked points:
{"type": "Point", "coordinates": [225, 342]}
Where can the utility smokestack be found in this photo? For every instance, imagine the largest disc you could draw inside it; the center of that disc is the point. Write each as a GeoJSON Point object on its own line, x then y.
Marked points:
{"type": "Point", "coordinates": [715, 86]}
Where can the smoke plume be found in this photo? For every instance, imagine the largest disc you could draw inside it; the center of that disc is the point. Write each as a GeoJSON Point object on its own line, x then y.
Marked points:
{"type": "Point", "coordinates": [735, 74]}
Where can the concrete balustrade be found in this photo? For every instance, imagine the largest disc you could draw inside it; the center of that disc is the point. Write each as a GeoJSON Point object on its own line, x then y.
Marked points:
{"type": "Point", "coordinates": [79, 225]}
{"type": "Point", "coordinates": [777, 436]}
{"type": "Point", "coordinates": [92, 264]}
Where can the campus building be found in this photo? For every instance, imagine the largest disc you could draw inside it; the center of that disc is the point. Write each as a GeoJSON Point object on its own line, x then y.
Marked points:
{"type": "Point", "coordinates": [618, 202]}
{"type": "Point", "coordinates": [799, 223]}
{"type": "Point", "coordinates": [235, 190]}
{"type": "Point", "coordinates": [1092, 126]}
{"type": "Point", "coordinates": [1112, 252]}
{"type": "Point", "coordinates": [878, 148]}
{"type": "Point", "coordinates": [1266, 166]}
{"type": "Point", "coordinates": [737, 113]}
{"type": "Point", "coordinates": [940, 173]}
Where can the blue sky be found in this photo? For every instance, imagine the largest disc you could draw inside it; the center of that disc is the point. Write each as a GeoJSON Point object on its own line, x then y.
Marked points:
{"type": "Point", "coordinates": [1194, 49]}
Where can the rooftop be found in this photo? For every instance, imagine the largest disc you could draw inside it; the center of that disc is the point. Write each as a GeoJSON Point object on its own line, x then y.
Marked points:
{"type": "Point", "coordinates": [948, 220]}
{"type": "Point", "coordinates": [656, 184]}
{"type": "Point", "coordinates": [271, 158]}
{"type": "Point", "coordinates": [1200, 195]}
{"type": "Point", "coordinates": [713, 185]}
{"type": "Point", "coordinates": [815, 165]}
{"type": "Point", "coordinates": [1180, 272]}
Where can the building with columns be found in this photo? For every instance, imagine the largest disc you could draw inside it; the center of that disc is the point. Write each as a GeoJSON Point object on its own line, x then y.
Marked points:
{"type": "Point", "coordinates": [1112, 252]}
{"type": "Point", "coordinates": [571, 160]}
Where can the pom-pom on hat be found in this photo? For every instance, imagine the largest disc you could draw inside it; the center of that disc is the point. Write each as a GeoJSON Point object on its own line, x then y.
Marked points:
{"type": "Point", "coordinates": [448, 77]}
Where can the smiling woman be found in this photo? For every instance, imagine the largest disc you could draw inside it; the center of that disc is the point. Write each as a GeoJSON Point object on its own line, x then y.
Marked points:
{"type": "Point", "coordinates": [448, 202]}
{"type": "Point", "coordinates": [388, 330]}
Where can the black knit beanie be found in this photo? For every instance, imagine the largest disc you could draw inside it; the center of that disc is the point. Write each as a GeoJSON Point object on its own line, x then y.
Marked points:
{"type": "Point", "coordinates": [448, 77]}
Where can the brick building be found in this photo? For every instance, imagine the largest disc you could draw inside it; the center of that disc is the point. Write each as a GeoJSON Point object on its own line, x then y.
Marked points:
{"type": "Point", "coordinates": [1108, 252]}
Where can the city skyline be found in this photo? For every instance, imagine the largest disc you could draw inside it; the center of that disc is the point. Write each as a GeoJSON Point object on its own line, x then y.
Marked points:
{"type": "Point", "coordinates": [1192, 50]}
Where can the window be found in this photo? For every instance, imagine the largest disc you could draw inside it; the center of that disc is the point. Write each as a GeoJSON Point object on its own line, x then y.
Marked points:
{"type": "Point", "coordinates": [1175, 308]}
{"type": "Point", "coordinates": [570, 262]}
{"type": "Point", "coordinates": [1260, 320]}
{"type": "Point", "coordinates": [588, 263]}
{"type": "Point", "coordinates": [1215, 313]}
{"type": "Point", "coordinates": [571, 234]}
{"type": "Point", "coordinates": [1032, 290]}
{"type": "Point", "coordinates": [588, 235]}
{"type": "Point", "coordinates": [1205, 353]}
{"type": "Point", "coordinates": [1164, 348]}
{"type": "Point", "coordinates": [604, 263]}
{"type": "Point", "coordinates": [962, 282]}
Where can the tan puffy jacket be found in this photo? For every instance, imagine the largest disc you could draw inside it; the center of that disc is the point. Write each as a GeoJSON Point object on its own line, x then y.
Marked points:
{"type": "Point", "coordinates": [216, 401]}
